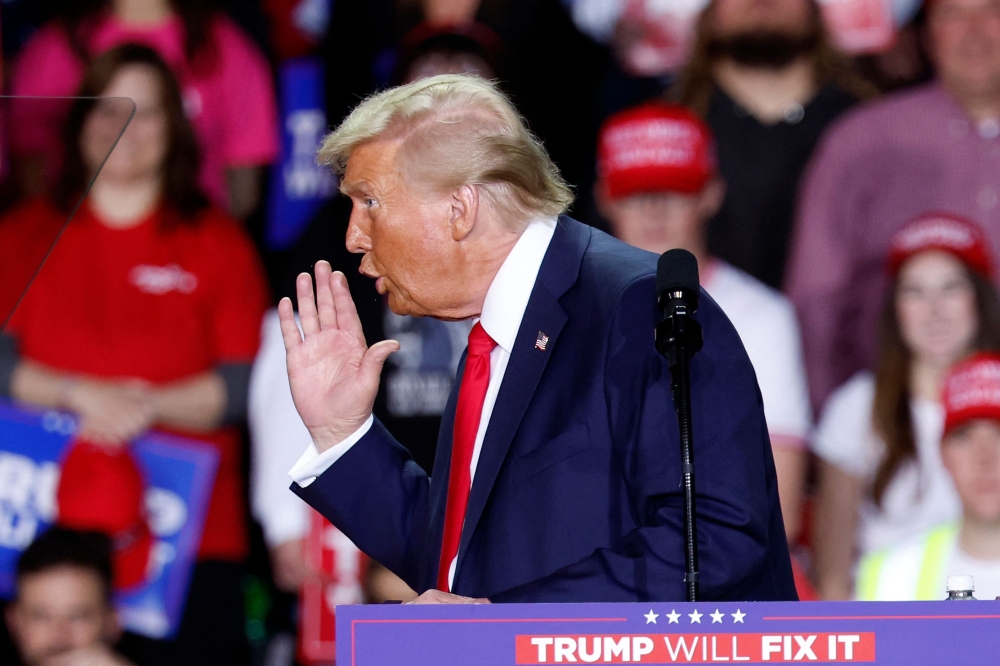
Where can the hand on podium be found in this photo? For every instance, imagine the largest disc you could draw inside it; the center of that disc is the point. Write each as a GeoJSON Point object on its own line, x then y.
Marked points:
{"type": "Point", "coordinates": [439, 597]}
{"type": "Point", "coordinates": [333, 373]}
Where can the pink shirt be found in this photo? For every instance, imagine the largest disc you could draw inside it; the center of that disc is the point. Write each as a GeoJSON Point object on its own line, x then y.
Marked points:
{"type": "Point", "coordinates": [231, 106]}
{"type": "Point", "coordinates": [879, 166]}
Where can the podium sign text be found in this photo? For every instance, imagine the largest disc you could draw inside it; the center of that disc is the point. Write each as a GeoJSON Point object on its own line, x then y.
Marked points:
{"type": "Point", "coordinates": [895, 634]}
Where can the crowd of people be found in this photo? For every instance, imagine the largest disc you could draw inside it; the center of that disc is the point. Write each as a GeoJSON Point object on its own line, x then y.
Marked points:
{"type": "Point", "coordinates": [844, 212]}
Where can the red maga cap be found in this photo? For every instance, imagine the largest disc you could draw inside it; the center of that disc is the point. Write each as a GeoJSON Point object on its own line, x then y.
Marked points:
{"type": "Point", "coordinates": [945, 232]}
{"type": "Point", "coordinates": [102, 489]}
{"type": "Point", "coordinates": [655, 147]}
{"type": "Point", "coordinates": [972, 391]}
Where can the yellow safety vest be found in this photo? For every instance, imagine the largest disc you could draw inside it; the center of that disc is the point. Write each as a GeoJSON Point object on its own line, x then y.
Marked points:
{"type": "Point", "coordinates": [878, 568]}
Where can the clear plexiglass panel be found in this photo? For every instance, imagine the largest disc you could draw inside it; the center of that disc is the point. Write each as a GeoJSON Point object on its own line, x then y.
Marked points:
{"type": "Point", "coordinates": [33, 132]}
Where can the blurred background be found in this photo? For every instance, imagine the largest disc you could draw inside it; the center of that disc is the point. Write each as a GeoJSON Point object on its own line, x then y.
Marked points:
{"type": "Point", "coordinates": [834, 165]}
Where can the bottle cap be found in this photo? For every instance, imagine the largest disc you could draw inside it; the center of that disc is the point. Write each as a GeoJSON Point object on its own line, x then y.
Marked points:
{"type": "Point", "coordinates": [961, 584]}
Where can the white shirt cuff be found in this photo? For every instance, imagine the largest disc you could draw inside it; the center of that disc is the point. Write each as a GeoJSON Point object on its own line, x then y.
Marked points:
{"type": "Point", "coordinates": [313, 463]}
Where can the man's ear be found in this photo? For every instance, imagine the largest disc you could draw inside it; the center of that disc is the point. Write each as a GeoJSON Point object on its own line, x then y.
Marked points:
{"type": "Point", "coordinates": [464, 211]}
{"type": "Point", "coordinates": [711, 197]}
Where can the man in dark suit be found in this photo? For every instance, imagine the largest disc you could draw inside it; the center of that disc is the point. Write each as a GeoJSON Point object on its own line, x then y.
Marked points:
{"type": "Point", "coordinates": [558, 469]}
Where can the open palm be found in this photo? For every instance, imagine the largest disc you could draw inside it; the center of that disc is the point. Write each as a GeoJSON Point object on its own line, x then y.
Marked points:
{"type": "Point", "coordinates": [333, 373]}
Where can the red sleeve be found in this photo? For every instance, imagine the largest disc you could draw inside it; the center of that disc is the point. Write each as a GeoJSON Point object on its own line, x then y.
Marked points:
{"type": "Point", "coordinates": [251, 131]}
{"type": "Point", "coordinates": [239, 293]}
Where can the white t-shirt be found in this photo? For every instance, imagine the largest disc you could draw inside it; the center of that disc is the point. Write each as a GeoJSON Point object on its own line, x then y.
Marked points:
{"type": "Point", "coordinates": [765, 321]}
{"type": "Point", "coordinates": [985, 573]}
{"type": "Point", "coordinates": [920, 495]}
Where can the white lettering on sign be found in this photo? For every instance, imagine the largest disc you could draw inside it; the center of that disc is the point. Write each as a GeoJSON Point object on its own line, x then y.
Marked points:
{"type": "Point", "coordinates": [304, 179]}
{"type": "Point", "coordinates": [736, 655]}
{"type": "Point", "coordinates": [592, 655]}
{"type": "Point", "coordinates": [770, 645]}
{"type": "Point", "coordinates": [27, 497]}
{"type": "Point", "coordinates": [681, 645]}
{"type": "Point", "coordinates": [542, 644]}
{"type": "Point", "coordinates": [695, 648]}
{"type": "Point", "coordinates": [715, 651]}
{"type": "Point", "coordinates": [166, 512]}
{"type": "Point", "coordinates": [641, 646]}
{"type": "Point", "coordinates": [564, 649]}
{"type": "Point", "coordinates": [848, 642]}
{"type": "Point", "coordinates": [619, 648]}
{"type": "Point", "coordinates": [804, 645]}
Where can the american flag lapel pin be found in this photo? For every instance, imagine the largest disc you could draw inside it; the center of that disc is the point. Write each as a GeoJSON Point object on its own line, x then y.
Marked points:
{"type": "Point", "coordinates": [542, 341]}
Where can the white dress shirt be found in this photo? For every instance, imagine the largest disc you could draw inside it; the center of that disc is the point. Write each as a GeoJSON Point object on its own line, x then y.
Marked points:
{"type": "Point", "coordinates": [276, 433]}
{"type": "Point", "coordinates": [503, 309]}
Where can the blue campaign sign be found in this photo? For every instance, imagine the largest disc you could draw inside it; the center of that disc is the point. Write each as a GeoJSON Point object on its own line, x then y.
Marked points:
{"type": "Point", "coordinates": [179, 475]}
{"type": "Point", "coordinates": [298, 185]}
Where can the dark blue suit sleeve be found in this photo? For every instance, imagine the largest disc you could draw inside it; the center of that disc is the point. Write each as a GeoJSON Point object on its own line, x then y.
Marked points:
{"type": "Point", "coordinates": [386, 514]}
{"type": "Point", "coordinates": [736, 481]}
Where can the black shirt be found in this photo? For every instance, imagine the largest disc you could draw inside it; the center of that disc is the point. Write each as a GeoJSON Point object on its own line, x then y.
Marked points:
{"type": "Point", "coordinates": [762, 165]}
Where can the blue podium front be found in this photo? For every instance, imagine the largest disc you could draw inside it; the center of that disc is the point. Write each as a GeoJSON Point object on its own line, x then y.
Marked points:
{"type": "Point", "coordinates": [896, 634]}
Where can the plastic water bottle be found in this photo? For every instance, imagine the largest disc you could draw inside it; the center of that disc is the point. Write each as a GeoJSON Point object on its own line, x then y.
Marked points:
{"type": "Point", "coordinates": [960, 588]}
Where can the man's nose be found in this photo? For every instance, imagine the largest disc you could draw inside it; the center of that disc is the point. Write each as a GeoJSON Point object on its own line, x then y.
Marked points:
{"type": "Point", "coordinates": [357, 240]}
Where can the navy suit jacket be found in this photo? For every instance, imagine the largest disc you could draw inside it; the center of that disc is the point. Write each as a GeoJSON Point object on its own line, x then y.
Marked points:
{"type": "Point", "coordinates": [577, 494]}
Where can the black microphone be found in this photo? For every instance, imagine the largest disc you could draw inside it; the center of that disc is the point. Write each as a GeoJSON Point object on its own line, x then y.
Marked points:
{"type": "Point", "coordinates": [677, 293]}
{"type": "Point", "coordinates": [678, 338]}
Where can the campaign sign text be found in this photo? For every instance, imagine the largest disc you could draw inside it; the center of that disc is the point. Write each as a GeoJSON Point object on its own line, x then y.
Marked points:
{"type": "Point", "coordinates": [179, 474]}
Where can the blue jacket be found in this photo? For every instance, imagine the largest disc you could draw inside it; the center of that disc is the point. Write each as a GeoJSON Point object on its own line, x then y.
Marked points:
{"type": "Point", "coordinates": [577, 493]}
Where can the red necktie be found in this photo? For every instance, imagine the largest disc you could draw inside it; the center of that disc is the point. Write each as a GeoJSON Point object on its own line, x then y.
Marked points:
{"type": "Point", "coordinates": [475, 381]}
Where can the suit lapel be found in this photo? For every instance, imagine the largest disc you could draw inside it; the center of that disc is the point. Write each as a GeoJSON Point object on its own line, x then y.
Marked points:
{"type": "Point", "coordinates": [544, 314]}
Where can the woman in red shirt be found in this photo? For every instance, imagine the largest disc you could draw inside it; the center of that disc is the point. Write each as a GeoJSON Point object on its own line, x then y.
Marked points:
{"type": "Point", "coordinates": [146, 314]}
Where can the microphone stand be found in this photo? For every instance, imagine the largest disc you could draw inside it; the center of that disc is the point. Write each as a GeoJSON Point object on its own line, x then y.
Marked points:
{"type": "Point", "coordinates": [678, 338]}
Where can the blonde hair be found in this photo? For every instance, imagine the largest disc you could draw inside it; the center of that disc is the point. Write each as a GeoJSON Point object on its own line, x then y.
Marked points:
{"type": "Point", "coordinates": [457, 130]}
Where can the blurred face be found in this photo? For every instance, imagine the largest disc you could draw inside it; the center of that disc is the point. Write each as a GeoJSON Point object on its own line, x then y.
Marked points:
{"type": "Point", "coordinates": [657, 222]}
{"type": "Point", "coordinates": [59, 610]}
{"type": "Point", "coordinates": [405, 236]}
{"type": "Point", "coordinates": [971, 454]}
{"type": "Point", "coordinates": [140, 152]}
{"type": "Point", "coordinates": [661, 221]}
{"type": "Point", "coordinates": [737, 17]}
{"type": "Point", "coordinates": [936, 307]}
{"type": "Point", "coordinates": [965, 36]}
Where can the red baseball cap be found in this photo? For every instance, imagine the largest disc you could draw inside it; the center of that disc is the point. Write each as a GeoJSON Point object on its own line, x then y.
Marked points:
{"type": "Point", "coordinates": [945, 232]}
{"type": "Point", "coordinates": [972, 390]}
{"type": "Point", "coordinates": [655, 147]}
{"type": "Point", "coordinates": [102, 489]}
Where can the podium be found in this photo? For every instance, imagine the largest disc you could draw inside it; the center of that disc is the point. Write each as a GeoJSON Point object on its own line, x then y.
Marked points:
{"type": "Point", "coordinates": [889, 634]}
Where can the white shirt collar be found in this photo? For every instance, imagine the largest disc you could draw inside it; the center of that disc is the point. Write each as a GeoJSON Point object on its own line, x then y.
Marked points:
{"type": "Point", "coordinates": [507, 297]}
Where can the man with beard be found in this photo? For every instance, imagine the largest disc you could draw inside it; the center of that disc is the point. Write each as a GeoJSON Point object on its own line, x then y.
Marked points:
{"type": "Point", "coordinates": [766, 78]}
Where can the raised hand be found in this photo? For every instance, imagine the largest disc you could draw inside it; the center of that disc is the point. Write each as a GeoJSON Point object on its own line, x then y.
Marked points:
{"type": "Point", "coordinates": [334, 374]}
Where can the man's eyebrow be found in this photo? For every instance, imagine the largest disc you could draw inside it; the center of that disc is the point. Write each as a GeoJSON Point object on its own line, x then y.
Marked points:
{"type": "Point", "coordinates": [353, 187]}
